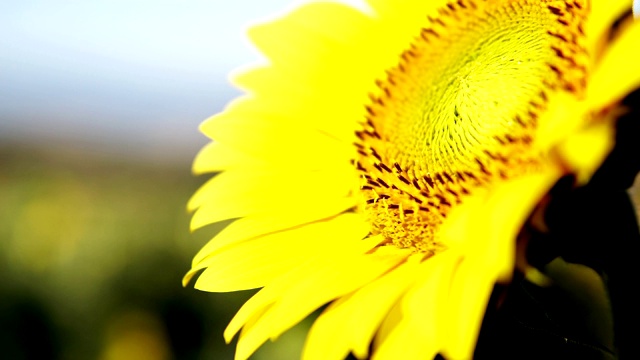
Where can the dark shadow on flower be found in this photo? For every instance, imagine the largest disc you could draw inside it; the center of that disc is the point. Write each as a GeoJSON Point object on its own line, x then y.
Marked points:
{"type": "Point", "coordinates": [587, 248]}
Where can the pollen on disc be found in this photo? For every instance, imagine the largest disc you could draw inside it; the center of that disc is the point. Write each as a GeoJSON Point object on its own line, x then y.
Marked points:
{"type": "Point", "coordinates": [461, 108]}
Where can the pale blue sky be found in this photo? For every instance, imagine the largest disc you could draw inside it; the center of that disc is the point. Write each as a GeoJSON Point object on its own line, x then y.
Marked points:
{"type": "Point", "coordinates": [138, 74]}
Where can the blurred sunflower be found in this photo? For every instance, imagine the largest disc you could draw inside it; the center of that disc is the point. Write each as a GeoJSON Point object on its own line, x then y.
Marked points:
{"type": "Point", "coordinates": [384, 161]}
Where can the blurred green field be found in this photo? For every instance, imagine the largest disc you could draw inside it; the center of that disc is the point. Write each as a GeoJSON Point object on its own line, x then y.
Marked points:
{"type": "Point", "coordinates": [92, 255]}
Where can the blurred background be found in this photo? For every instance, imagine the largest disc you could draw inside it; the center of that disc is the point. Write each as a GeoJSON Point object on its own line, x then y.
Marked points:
{"type": "Point", "coordinates": [100, 102]}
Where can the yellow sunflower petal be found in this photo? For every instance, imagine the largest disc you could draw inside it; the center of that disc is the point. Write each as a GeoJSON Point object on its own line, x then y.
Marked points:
{"type": "Point", "coordinates": [252, 321]}
{"type": "Point", "coordinates": [423, 318]}
{"type": "Point", "coordinates": [388, 325]}
{"type": "Point", "coordinates": [234, 194]}
{"type": "Point", "coordinates": [326, 340]}
{"type": "Point", "coordinates": [254, 135]}
{"type": "Point", "coordinates": [564, 116]}
{"type": "Point", "coordinates": [481, 214]}
{"type": "Point", "coordinates": [619, 72]}
{"type": "Point", "coordinates": [401, 21]}
{"type": "Point", "coordinates": [603, 14]}
{"type": "Point", "coordinates": [313, 40]}
{"type": "Point", "coordinates": [490, 260]}
{"type": "Point", "coordinates": [403, 340]}
{"type": "Point", "coordinates": [254, 263]}
{"type": "Point", "coordinates": [332, 279]}
{"type": "Point", "coordinates": [348, 325]}
{"type": "Point", "coordinates": [215, 157]}
{"type": "Point", "coordinates": [261, 224]}
{"type": "Point", "coordinates": [304, 46]}
{"type": "Point", "coordinates": [291, 106]}
{"type": "Point", "coordinates": [469, 296]}
{"type": "Point", "coordinates": [267, 184]}
{"type": "Point", "coordinates": [274, 290]}
{"type": "Point", "coordinates": [313, 44]}
{"type": "Point", "coordinates": [586, 150]}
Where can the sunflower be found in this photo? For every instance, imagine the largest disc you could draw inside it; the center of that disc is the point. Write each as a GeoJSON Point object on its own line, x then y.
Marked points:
{"type": "Point", "coordinates": [384, 159]}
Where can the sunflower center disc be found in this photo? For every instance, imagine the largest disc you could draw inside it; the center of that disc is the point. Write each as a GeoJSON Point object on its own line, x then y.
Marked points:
{"type": "Point", "coordinates": [460, 109]}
